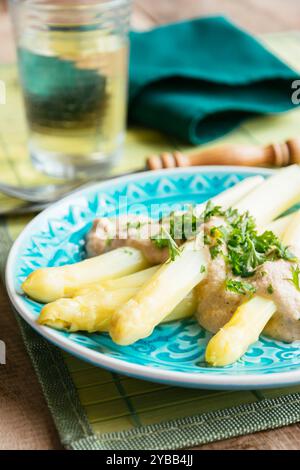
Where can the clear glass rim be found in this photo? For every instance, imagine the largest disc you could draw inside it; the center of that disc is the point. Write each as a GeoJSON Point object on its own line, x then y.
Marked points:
{"type": "Point", "coordinates": [100, 6]}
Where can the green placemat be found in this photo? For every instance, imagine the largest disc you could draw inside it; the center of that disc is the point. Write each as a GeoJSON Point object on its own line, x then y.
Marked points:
{"type": "Point", "coordinates": [97, 409]}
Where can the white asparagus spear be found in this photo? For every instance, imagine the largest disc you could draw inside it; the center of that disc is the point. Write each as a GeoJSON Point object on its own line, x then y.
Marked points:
{"type": "Point", "coordinates": [242, 330]}
{"type": "Point", "coordinates": [234, 194]}
{"type": "Point", "coordinates": [249, 320]}
{"type": "Point", "coordinates": [160, 295]}
{"type": "Point", "coordinates": [274, 196]}
{"type": "Point", "coordinates": [291, 235]}
{"type": "Point", "coordinates": [133, 280]}
{"type": "Point", "coordinates": [48, 284]}
{"type": "Point", "coordinates": [90, 311]}
{"type": "Point", "coordinates": [279, 226]}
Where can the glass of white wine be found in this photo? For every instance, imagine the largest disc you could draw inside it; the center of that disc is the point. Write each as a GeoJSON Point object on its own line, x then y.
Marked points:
{"type": "Point", "coordinates": [73, 64]}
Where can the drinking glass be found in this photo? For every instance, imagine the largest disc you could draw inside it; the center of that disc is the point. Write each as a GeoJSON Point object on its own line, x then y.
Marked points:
{"type": "Point", "coordinates": [72, 57]}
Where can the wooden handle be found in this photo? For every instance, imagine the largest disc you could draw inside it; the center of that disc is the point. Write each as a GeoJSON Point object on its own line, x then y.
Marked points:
{"type": "Point", "coordinates": [243, 155]}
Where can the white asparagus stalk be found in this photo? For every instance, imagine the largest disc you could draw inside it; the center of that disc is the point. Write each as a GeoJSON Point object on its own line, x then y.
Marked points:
{"type": "Point", "coordinates": [160, 295]}
{"type": "Point", "coordinates": [88, 312]}
{"type": "Point", "coordinates": [249, 320]}
{"type": "Point", "coordinates": [242, 330]}
{"type": "Point", "coordinates": [185, 309]}
{"type": "Point", "coordinates": [232, 195]}
{"type": "Point", "coordinates": [48, 284]}
{"type": "Point", "coordinates": [279, 226]}
{"type": "Point", "coordinates": [291, 235]}
{"type": "Point", "coordinates": [133, 280]}
{"type": "Point", "coordinates": [275, 195]}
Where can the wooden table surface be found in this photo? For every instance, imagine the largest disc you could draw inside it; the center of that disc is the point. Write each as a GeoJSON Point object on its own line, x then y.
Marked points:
{"type": "Point", "coordinates": [25, 422]}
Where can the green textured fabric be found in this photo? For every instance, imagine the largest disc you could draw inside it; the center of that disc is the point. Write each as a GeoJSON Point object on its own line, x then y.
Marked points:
{"type": "Point", "coordinates": [203, 428]}
{"type": "Point", "coordinates": [198, 80]}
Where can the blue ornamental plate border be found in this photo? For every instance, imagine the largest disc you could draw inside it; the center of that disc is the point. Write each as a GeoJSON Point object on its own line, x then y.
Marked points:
{"type": "Point", "coordinates": [174, 353]}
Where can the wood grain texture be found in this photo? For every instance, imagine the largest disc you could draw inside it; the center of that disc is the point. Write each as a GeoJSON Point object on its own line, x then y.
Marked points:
{"type": "Point", "coordinates": [287, 438]}
{"type": "Point", "coordinates": [25, 422]}
{"type": "Point", "coordinates": [258, 16]}
{"type": "Point", "coordinates": [7, 49]}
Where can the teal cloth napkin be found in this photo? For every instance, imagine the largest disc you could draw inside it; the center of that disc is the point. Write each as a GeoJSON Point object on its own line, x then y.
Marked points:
{"type": "Point", "coordinates": [198, 80]}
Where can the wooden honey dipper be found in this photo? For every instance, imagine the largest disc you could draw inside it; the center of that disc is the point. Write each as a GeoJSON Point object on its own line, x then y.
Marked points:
{"type": "Point", "coordinates": [277, 155]}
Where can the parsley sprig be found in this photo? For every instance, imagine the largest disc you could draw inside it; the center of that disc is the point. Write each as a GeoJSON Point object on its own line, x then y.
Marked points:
{"type": "Point", "coordinates": [186, 225]}
{"type": "Point", "coordinates": [295, 279]}
{"type": "Point", "coordinates": [165, 240]}
{"type": "Point", "coordinates": [211, 211]}
{"type": "Point", "coordinates": [239, 287]}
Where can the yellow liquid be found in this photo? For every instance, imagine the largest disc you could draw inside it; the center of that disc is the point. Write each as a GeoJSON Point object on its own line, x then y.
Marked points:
{"type": "Point", "coordinates": [75, 85]}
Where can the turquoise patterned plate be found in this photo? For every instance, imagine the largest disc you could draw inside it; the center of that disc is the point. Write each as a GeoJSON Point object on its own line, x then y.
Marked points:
{"type": "Point", "coordinates": [174, 353]}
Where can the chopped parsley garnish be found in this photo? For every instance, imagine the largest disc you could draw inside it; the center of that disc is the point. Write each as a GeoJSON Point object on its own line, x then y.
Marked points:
{"type": "Point", "coordinates": [246, 249]}
{"type": "Point", "coordinates": [295, 277]}
{"type": "Point", "coordinates": [270, 289]}
{"type": "Point", "coordinates": [236, 239]}
{"type": "Point", "coordinates": [215, 250]}
{"type": "Point", "coordinates": [135, 224]}
{"type": "Point", "coordinates": [211, 211]}
{"type": "Point", "coordinates": [239, 287]}
{"type": "Point", "coordinates": [184, 226]}
{"type": "Point", "coordinates": [202, 269]}
{"type": "Point", "coordinates": [164, 240]}
{"type": "Point", "coordinates": [108, 241]}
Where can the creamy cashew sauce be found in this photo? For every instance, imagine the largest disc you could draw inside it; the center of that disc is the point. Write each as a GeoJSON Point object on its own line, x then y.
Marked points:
{"type": "Point", "coordinates": [129, 230]}
{"type": "Point", "coordinates": [216, 305]}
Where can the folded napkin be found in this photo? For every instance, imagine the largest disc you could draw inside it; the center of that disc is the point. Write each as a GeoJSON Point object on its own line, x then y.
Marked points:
{"type": "Point", "coordinates": [198, 80]}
